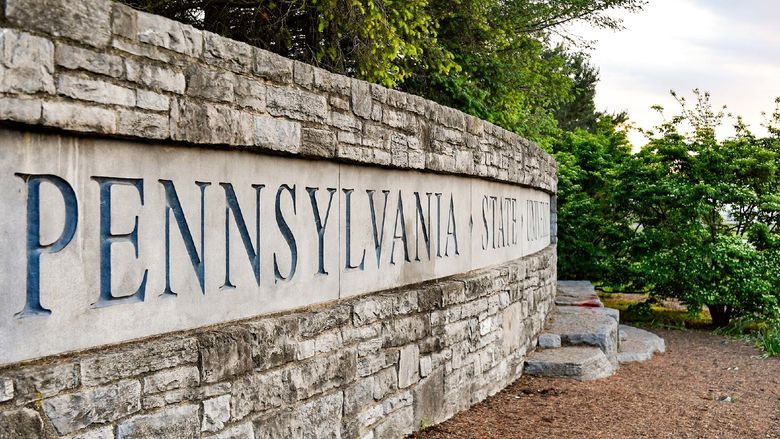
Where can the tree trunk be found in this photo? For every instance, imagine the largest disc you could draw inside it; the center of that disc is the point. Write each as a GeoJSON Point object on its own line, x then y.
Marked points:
{"type": "Point", "coordinates": [721, 315]}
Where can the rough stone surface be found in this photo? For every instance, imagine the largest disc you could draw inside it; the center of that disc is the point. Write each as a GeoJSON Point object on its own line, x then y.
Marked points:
{"type": "Point", "coordinates": [585, 326]}
{"type": "Point", "coordinates": [216, 412]}
{"type": "Point", "coordinates": [638, 345]}
{"type": "Point", "coordinates": [582, 363]}
{"type": "Point", "coordinates": [98, 405]}
{"type": "Point", "coordinates": [77, 58]}
{"type": "Point", "coordinates": [549, 341]}
{"type": "Point", "coordinates": [176, 422]}
{"type": "Point", "coordinates": [86, 21]}
{"type": "Point", "coordinates": [20, 424]}
{"type": "Point", "coordinates": [577, 293]}
{"type": "Point", "coordinates": [280, 134]}
{"type": "Point", "coordinates": [26, 63]}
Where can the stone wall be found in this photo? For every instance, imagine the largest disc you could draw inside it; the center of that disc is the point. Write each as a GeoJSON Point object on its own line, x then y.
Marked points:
{"type": "Point", "coordinates": [375, 366]}
{"type": "Point", "coordinates": [94, 66]}
{"type": "Point", "coordinates": [378, 366]}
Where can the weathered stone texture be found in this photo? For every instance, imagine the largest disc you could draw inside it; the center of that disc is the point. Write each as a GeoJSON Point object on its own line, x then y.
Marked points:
{"type": "Point", "coordinates": [85, 21]}
{"type": "Point", "coordinates": [98, 405]}
{"type": "Point", "coordinates": [20, 424]}
{"type": "Point", "coordinates": [175, 422]}
{"type": "Point", "coordinates": [375, 366]}
{"type": "Point", "coordinates": [26, 63]}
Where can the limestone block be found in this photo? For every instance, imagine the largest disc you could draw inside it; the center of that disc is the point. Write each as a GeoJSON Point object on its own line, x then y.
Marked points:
{"type": "Point", "coordinates": [100, 433]}
{"type": "Point", "coordinates": [303, 74]}
{"type": "Point", "coordinates": [296, 104]}
{"type": "Point", "coordinates": [124, 21]}
{"type": "Point", "coordinates": [397, 424]}
{"type": "Point", "coordinates": [21, 110]}
{"type": "Point", "coordinates": [6, 389]}
{"type": "Point", "coordinates": [209, 83]}
{"type": "Point", "coordinates": [272, 66]}
{"type": "Point", "coordinates": [361, 98]}
{"type": "Point", "coordinates": [277, 134]}
{"type": "Point", "coordinates": [170, 379]}
{"type": "Point", "coordinates": [332, 82]}
{"type": "Point", "coordinates": [385, 382]}
{"type": "Point", "coordinates": [169, 34]}
{"type": "Point", "coordinates": [582, 363]}
{"type": "Point", "coordinates": [86, 21]}
{"type": "Point", "coordinates": [38, 382]}
{"type": "Point", "coordinates": [259, 392]}
{"type": "Point", "coordinates": [429, 407]}
{"type": "Point", "coordinates": [398, 332]}
{"type": "Point", "coordinates": [79, 117]}
{"type": "Point", "coordinates": [26, 63]}
{"type": "Point", "coordinates": [241, 431]}
{"type": "Point", "coordinates": [318, 418]}
{"type": "Point", "coordinates": [210, 123]}
{"type": "Point", "coordinates": [97, 405]}
{"type": "Point", "coordinates": [150, 100]}
{"type": "Point", "coordinates": [140, 124]}
{"type": "Point", "coordinates": [86, 89]}
{"type": "Point", "coordinates": [224, 354]}
{"type": "Point", "coordinates": [313, 323]}
{"type": "Point", "coordinates": [147, 357]}
{"type": "Point", "coordinates": [272, 342]}
{"type": "Point", "coordinates": [397, 401]}
{"type": "Point", "coordinates": [21, 423]}
{"type": "Point", "coordinates": [155, 77]}
{"type": "Point", "coordinates": [409, 366]}
{"type": "Point", "coordinates": [549, 341]}
{"type": "Point", "coordinates": [358, 395]}
{"type": "Point", "coordinates": [177, 422]}
{"type": "Point", "coordinates": [77, 58]}
{"type": "Point", "coordinates": [322, 373]}
{"type": "Point", "coordinates": [216, 412]}
{"type": "Point", "coordinates": [318, 143]}
{"type": "Point", "coordinates": [249, 93]}
{"type": "Point", "coordinates": [372, 308]}
{"type": "Point", "coordinates": [224, 52]}
{"type": "Point", "coordinates": [304, 350]}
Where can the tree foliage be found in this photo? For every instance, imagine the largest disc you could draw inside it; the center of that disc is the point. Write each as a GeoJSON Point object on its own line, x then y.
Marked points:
{"type": "Point", "coordinates": [688, 217]}
{"type": "Point", "coordinates": [491, 58]}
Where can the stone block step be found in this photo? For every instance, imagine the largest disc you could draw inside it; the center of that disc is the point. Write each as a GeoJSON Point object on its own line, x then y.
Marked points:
{"type": "Point", "coordinates": [577, 293]}
{"type": "Point", "coordinates": [638, 345]}
{"type": "Point", "coordinates": [597, 327]}
{"type": "Point", "coordinates": [581, 363]}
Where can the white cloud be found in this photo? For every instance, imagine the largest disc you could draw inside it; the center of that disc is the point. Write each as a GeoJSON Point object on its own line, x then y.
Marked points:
{"type": "Point", "coordinates": [729, 48]}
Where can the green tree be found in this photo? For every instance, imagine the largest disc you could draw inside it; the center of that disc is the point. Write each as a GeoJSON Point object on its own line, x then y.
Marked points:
{"type": "Point", "coordinates": [593, 230]}
{"type": "Point", "coordinates": [700, 207]}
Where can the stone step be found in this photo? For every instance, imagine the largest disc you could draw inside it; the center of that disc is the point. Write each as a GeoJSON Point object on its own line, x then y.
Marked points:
{"type": "Point", "coordinates": [575, 326]}
{"type": "Point", "coordinates": [578, 362]}
{"type": "Point", "coordinates": [638, 345]}
{"type": "Point", "coordinates": [577, 293]}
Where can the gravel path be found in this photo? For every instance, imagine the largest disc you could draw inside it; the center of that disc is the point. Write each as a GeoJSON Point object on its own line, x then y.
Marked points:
{"type": "Point", "coordinates": [677, 395]}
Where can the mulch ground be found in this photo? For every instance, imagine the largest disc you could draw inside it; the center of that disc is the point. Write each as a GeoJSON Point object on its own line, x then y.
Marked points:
{"type": "Point", "coordinates": [705, 386]}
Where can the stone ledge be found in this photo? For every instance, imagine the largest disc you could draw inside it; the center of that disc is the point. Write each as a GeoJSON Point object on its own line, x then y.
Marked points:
{"type": "Point", "coordinates": [94, 58]}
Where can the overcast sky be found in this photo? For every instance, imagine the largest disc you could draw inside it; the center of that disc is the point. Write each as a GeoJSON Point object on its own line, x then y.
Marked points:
{"type": "Point", "coordinates": [730, 48]}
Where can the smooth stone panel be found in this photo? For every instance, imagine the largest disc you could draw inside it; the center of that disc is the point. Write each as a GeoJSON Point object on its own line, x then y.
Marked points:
{"type": "Point", "coordinates": [127, 240]}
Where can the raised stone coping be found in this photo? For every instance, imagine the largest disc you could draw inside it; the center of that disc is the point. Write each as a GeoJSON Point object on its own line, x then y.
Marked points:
{"type": "Point", "coordinates": [100, 67]}
{"type": "Point", "coordinates": [578, 362]}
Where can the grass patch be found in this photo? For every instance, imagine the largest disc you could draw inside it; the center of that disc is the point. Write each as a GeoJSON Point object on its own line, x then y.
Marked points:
{"type": "Point", "coordinates": [635, 309]}
{"type": "Point", "coordinates": [765, 335]}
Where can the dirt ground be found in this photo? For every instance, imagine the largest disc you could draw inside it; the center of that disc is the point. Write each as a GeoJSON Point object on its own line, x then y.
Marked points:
{"type": "Point", "coordinates": [705, 386]}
